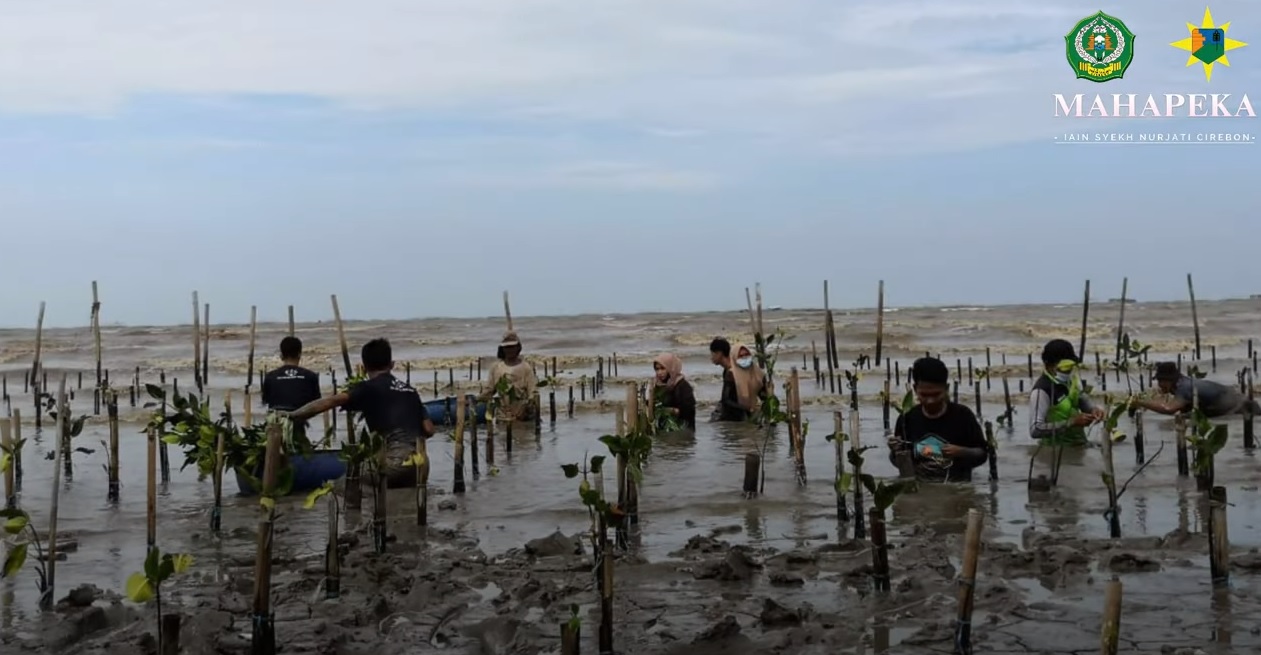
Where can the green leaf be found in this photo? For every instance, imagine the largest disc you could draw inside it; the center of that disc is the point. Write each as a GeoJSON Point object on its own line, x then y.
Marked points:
{"type": "Point", "coordinates": [868, 482]}
{"type": "Point", "coordinates": [284, 482]}
{"type": "Point", "coordinates": [182, 562]}
{"type": "Point", "coordinates": [316, 494]}
{"type": "Point", "coordinates": [16, 524]}
{"type": "Point", "coordinates": [597, 463]}
{"type": "Point", "coordinates": [6, 460]}
{"type": "Point", "coordinates": [14, 560]}
{"type": "Point", "coordinates": [268, 503]}
{"type": "Point", "coordinates": [844, 483]}
{"type": "Point", "coordinates": [885, 493]}
{"type": "Point", "coordinates": [155, 392]}
{"type": "Point", "coordinates": [139, 589]}
{"type": "Point", "coordinates": [76, 427]}
{"type": "Point", "coordinates": [173, 439]}
{"type": "Point", "coordinates": [165, 569]}
{"type": "Point", "coordinates": [571, 470]}
{"type": "Point", "coordinates": [151, 563]}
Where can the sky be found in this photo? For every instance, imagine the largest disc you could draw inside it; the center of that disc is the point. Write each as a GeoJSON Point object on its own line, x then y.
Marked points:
{"type": "Point", "coordinates": [419, 157]}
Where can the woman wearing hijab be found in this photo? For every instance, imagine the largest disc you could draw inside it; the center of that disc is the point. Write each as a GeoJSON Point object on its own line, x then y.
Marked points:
{"type": "Point", "coordinates": [743, 382]}
{"type": "Point", "coordinates": [672, 391]}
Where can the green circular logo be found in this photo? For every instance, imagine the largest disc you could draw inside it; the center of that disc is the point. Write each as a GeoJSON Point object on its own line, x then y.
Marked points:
{"type": "Point", "coordinates": [1100, 48]}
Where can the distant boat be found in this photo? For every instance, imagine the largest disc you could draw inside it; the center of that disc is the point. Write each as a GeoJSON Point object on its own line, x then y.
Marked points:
{"type": "Point", "coordinates": [774, 308]}
{"type": "Point", "coordinates": [1128, 301]}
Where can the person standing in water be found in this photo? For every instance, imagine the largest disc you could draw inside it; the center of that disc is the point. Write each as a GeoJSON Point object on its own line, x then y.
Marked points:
{"type": "Point", "coordinates": [521, 380]}
{"type": "Point", "coordinates": [944, 438]}
{"type": "Point", "coordinates": [1215, 399]}
{"type": "Point", "coordinates": [743, 382]}
{"type": "Point", "coordinates": [391, 408]}
{"type": "Point", "coordinates": [290, 386]}
{"type": "Point", "coordinates": [1059, 409]}
{"type": "Point", "coordinates": [672, 390]}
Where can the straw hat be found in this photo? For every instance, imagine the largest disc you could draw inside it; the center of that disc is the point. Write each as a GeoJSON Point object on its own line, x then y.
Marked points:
{"type": "Point", "coordinates": [510, 339]}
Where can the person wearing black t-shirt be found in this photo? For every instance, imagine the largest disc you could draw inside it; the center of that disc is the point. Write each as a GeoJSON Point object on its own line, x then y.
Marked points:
{"type": "Point", "coordinates": [391, 408]}
{"type": "Point", "coordinates": [944, 438]}
{"type": "Point", "coordinates": [291, 386]}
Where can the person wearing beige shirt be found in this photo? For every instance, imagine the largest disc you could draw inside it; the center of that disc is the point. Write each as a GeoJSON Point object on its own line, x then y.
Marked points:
{"type": "Point", "coordinates": [520, 375]}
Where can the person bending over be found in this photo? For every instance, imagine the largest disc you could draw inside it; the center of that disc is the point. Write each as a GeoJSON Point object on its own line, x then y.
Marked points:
{"type": "Point", "coordinates": [391, 408]}
{"type": "Point", "coordinates": [1059, 409]}
{"type": "Point", "coordinates": [672, 390]}
{"type": "Point", "coordinates": [1215, 399]}
{"type": "Point", "coordinates": [743, 382]}
{"type": "Point", "coordinates": [290, 386]}
{"type": "Point", "coordinates": [944, 438]}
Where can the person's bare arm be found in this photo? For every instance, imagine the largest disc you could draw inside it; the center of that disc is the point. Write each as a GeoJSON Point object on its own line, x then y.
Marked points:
{"type": "Point", "coordinates": [1170, 406]}
{"type": "Point", "coordinates": [427, 428]}
{"type": "Point", "coordinates": [319, 406]}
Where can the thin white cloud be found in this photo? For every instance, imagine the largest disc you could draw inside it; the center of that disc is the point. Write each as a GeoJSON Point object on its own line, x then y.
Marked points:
{"type": "Point", "coordinates": [856, 77]}
{"type": "Point", "coordinates": [592, 175]}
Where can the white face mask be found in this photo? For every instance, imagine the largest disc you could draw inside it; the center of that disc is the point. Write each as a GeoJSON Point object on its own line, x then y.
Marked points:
{"type": "Point", "coordinates": [1064, 378]}
{"type": "Point", "coordinates": [744, 362]}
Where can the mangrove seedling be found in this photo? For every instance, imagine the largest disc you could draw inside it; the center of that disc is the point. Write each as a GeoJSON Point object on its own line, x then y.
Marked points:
{"type": "Point", "coordinates": [902, 406]}
{"type": "Point", "coordinates": [1132, 354]}
{"type": "Point", "coordinates": [363, 453]}
{"type": "Point", "coordinates": [19, 536]}
{"type": "Point", "coordinates": [1206, 440]}
{"type": "Point", "coordinates": [634, 447]}
{"type": "Point", "coordinates": [1113, 432]}
{"type": "Point", "coordinates": [883, 493]}
{"type": "Point", "coordinates": [145, 586]}
{"type": "Point", "coordinates": [11, 456]}
{"type": "Point", "coordinates": [663, 418]}
{"type": "Point", "coordinates": [332, 549]}
{"type": "Point", "coordinates": [73, 428]}
{"type": "Point", "coordinates": [591, 498]}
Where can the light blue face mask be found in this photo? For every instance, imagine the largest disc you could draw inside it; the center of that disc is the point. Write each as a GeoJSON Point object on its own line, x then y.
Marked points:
{"type": "Point", "coordinates": [744, 362]}
{"type": "Point", "coordinates": [1064, 378]}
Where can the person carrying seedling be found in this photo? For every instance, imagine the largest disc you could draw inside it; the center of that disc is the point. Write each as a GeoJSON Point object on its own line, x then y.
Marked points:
{"type": "Point", "coordinates": [391, 408]}
{"type": "Point", "coordinates": [1215, 399]}
{"type": "Point", "coordinates": [290, 386]}
{"type": "Point", "coordinates": [944, 438]}
{"type": "Point", "coordinates": [1059, 409]}
{"type": "Point", "coordinates": [521, 381]}
{"type": "Point", "coordinates": [743, 382]}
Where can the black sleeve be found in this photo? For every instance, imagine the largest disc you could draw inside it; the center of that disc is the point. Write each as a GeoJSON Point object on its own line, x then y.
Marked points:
{"type": "Point", "coordinates": [266, 391]}
{"type": "Point", "coordinates": [899, 433]}
{"type": "Point", "coordinates": [315, 385]}
{"type": "Point", "coordinates": [971, 437]}
{"type": "Point", "coordinates": [685, 396]}
{"type": "Point", "coordinates": [730, 397]}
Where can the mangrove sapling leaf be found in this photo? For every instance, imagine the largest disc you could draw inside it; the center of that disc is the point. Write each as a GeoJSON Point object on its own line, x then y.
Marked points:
{"type": "Point", "coordinates": [14, 560]}
{"type": "Point", "coordinates": [571, 470]}
{"type": "Point", "coordinates": [143, 586]}
{"type": "Point", "coordinates": [19, 535]}
{"type": "Point", "coordinates": [575, 621]}
{"type": "Point", "coordinates": [316, 494]}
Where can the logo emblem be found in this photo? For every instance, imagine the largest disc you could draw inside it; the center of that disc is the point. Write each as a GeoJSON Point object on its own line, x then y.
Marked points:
{"type": "Point", "coordinates": [1208, 44]}
{"type": "Point", "coordinates": [1100, 48]}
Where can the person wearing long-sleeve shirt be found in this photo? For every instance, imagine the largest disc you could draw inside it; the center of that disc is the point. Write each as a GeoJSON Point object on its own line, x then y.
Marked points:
{"type": "Point", "coordinates": [944, 438]}
{"type": "Point", "coordinates": [1059, 409]}
{"type": "Point", "coordinates": [743, 382]}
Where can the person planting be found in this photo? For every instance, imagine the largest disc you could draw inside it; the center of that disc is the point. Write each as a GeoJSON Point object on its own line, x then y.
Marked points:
{"type": "Point", "coordinates": [944, 437]}
{"type": "Point", "coordinates": [1059, 409]}
{"type": "Point", "coordinates": [520, 377]}
{"type": "Point", "coordinates": [1215, 399]}
{"type": "Point", "coordinates": [674, 391]}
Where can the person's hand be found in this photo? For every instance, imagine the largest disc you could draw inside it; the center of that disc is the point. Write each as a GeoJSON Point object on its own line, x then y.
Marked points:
{"type": "Point", "coordinates": [895, 442]}
{"type": "Point", "coordinates": [1083, 420]}
{"type": "Point", "coordinates": [950, 450]}
{"type": "Point", "coordinates": [1098, 413]}
{"type": "Point", "coordinates": [673, 410]}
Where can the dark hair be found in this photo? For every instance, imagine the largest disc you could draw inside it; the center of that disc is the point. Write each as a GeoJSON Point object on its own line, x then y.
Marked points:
{"type": "Point", "coordinates": [290, 348]}
{"type": "Point", "coordinates": [1167, 371]}
{"type": "Point", "coordinates": [377, 355]}
{"type": "Point", "coordinates": [930, 370]}
{"type": "Point", "coordinates": [1058, 350]}
{"type": "Point", "coordinates": [720, 346]}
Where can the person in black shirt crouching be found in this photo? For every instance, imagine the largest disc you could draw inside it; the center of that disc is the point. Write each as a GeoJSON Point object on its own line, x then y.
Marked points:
{"type": "Point", "coordinates": [391, 408]}
{"type": "Point", "coordinates": [291, 386]}
{"type": "Point", "coordinates": [944, 438]}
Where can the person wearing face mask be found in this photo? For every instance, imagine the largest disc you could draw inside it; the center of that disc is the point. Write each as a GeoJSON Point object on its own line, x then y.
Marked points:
{"type": "Point", "coordinates": [943, 437]}
{"type": "Point", "coordinates": [1059, 409]}
{"type": "Point", "coordinates": [743, 382]}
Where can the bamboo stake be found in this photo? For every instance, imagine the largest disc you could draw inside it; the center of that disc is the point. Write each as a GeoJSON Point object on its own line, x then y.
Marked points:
{"type": "Point", "coordinates": [1085, 318]}
{"type": "Point", "coordinates": [1219, 539]}
{"type": "Point", "coordinates": [36, 367]}
{"type": "Point", "coordinates": [216, 514]}
{"type": "Point", "coordinates": [249, 375]}
{"type": "Point", "coordinates": [332, 554]}
{"type": "Point", "coordinates": [63, 407]}
{"type": "Point", "coordinates": [860, 530]}
{"type": "Point", "coordinates": [292, 329]}
{"type": "Point", "coordinates": [197, 344]}
{"type": "Point", "coordinates": [461, 405]}
{"type": "Point", "coordinates": [794, 425]}
{"type": "Point", "coordinates": [1110, 482]}
{"type": "Point", "coordinates": [422, 482]}
{"type": "Point", "coordinates": [632, 427]}
{"type": "Point", "coordinates": [1125, 288]}
{"type": "Point", "coordinates": [341, 337]}
{"type": "Point", "coordinates": [880, 322]}
{"type": "Point", "coordinates": [205, 348]}
{"type": "Point", "coordinates": [838, 443]}
{"type": "Point", "coordinates": [1195, 315]}
{"type": "Point", "coordinates": [1110, 632]}
{"type": "Point", "coordinates": [1180, 436]}
{"type": "Point", "coordinates": [570, 638]}
{"type": "Point", "coordinates": [879, 550]}
{"type": "Point", "coordinates": [354, 492]}
{"type": "Point", "coordinates": [606, 590]}
{"type": "Point", "coordinates": [96, 339]}
{"type": "Point", "coordinates": [17, 450]}
{"type": "Point", "coordinates": [6, 439]}
{"type": "Point", "coordinates": [507, 311]}
{"type": "Point", "coordinates": [967, 583]}
{"type": "Point", "coordinates": [263, 640]}
{"type": "Point", "coordinates": [379, 527]}
{"type": "Point", "coordinates": [112, 410]}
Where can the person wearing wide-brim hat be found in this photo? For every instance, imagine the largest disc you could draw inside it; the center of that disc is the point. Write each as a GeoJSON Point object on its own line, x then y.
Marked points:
{"type": "Point", "coordinates": [521, 380]}
{"type": "Point", "coordinates": [1214, 398]}
{"type": "Point", "coordinates": [1059, 409]}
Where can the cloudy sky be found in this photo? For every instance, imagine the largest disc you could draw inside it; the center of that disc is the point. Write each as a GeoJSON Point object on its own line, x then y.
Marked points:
{"type": "Point", "coordinates": [417, 157]}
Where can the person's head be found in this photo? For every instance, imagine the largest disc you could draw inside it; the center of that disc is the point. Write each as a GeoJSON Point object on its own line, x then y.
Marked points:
{"type": "Point", "coordinates": [1060, 359]}
{"type": "Point", "coordinates": [931, 379]}
{"type": "Point", "coordinates": [291, 349]}
{"type": "Point", "coordinates": [1167, 376]}
{"type": "Point", "coordinates": [720, 351]}
{"type": "Point", "coordinates": [742, 357]}
{"type": "Point", "coordinates": [377, 356]}
{"type": "Point", "coordinates": [668, 368]}
{"type": "Point", "coordinates": [509, 346]}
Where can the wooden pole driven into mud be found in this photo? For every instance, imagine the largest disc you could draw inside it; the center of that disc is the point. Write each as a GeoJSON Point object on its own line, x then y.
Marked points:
{"type": "Point", "coordinates": [1218, 538]}
{"type": "Point", "coordinates": [795, 433]}
{"type": "Point", "coordinates": [508, 311]}
{"type": "Point", "coordinates": [1125, 288]}
{"type": "Point", "coordinates": [332, 553]}
{"type": "Point", "coordinates": [205, 346]}
{"type": "Point", "coordinates": [1110, 631]}
{"type": "Point", "coordinates": [992, 450]}
{"type": "Point", "coordinates": [17, 449]}
{"type": "Point", "coordinates": [422, 483]}
{"type": "Point", "coordinates": [606, 588]}
{"type": "Point", "coordinates": [354, 488]}
{"type": "Point", "coordinates": [631, 506]}
{"type": "Point", "coordinates": [249, 374]}
{"type": "Point", "coordinates": [570, 638]}
{"type": "Point", "coordinates": [1195, 315]}
{"type": "Point", "coordinates": [6, 440]}
{"type": "Point", "coordinates": [263, 640]}
{"type": "Point", "coordinates": [63, 409]}
{"type": "Point", "coordinates": [37, 367]}
{"type": "Point", "coordinates": [1180, 437]}
{"type": "Point", "coordinates": [96, 342]}
{"type": "Point", "coordinates": [1085, 322]}
{"type": "Point", "coordinates": [461, 406]}
{"type": "Point", "coordinates": [860, 530]}
{"type": "Point", "coordinates": [216, 513]}
{"type": "Point", "coordinates": [1249, 434]}
{"type": "Point", "coordinates": [879, 550]}
{"type": "Point", "coordinates": [752, 473]}
{"type": "Point", "coordinates": [341, 337]}
{"type": "Point", "coordinates": [151, 489]}
{"type": "Point", "coordinates": [838, 445]}
{"type": "Point", "coordinates": [967, 583]}
{"type": "Point", "coordinates": [1113, 512]}
{"type": "Point", "coordinates": [379, 499]}
{"type": "Point", "coordinates": [829, 339]}
{"type": "Point", "coordinates": [111, 409]}
{"type": "Point", "coordinates": [1140, 438]}
{"type": "Point", "coordinates": [292, 326]}
{"type": "Point", "coordinates": [879, 322]}
{"type": "Point", "coordinates": [197, 344]}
